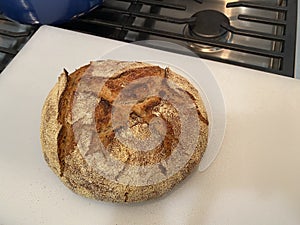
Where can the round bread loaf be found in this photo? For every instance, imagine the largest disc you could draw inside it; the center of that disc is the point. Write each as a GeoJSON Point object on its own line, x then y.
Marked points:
{"type": "Point", "coordinates": [123, 131]}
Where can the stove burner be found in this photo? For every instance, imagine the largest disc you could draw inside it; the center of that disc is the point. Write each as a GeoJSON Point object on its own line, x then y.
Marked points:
{"type": "Point", "coordinates": [208, 24]}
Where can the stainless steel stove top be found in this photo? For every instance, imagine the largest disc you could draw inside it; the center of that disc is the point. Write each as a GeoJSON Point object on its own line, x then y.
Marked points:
{"type": "Point", "coordinates": [259, 34]}
{"type": "Point", "coordinates": [12, 38]}
{"type": "Point", "coordinates": [237, 16]}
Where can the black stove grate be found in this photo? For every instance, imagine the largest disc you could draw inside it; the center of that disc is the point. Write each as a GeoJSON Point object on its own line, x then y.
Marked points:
{"type": "Point", "coordinates": [121, 22]}
{"type": "Point", "coordinates": [13, 36]}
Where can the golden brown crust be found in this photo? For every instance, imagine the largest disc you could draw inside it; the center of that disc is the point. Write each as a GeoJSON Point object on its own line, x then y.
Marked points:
{"type": "Point", "coordinates": [50, 127]}
{"type": "Point", "coordinates": [65, 124]}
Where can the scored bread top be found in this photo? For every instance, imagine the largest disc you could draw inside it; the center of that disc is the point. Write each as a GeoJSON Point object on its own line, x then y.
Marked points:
{"type": "Point", "coordinates": [93, 150]}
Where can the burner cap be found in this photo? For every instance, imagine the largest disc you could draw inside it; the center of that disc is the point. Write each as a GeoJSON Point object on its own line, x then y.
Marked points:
{"type": "Point", "coordinates": [208, 24]}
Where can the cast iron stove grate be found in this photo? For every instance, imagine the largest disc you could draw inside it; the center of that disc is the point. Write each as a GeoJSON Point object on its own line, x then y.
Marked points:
{"type": "Point", "coordinates": [118, 20]}
{"type": "Point", "coordinates": [13, 36]}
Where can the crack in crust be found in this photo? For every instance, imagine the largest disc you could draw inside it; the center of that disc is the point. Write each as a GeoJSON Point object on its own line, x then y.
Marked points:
{"type": "Point", "coordinates": [66, 141]}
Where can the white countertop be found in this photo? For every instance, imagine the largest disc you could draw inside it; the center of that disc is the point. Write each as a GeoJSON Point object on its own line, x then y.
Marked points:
{"type": "Point", "coordinates": [254, 180]}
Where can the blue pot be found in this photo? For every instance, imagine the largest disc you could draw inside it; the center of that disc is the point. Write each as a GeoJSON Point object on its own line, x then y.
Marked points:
{"type": "Point", "coordinates": [46, 11]}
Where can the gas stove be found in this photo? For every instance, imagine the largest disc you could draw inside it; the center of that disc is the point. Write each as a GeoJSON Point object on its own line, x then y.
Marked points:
{"type": "Point", "coordinates": [257, 34]}
{"type": "Point", "coordinates": [13, 36]}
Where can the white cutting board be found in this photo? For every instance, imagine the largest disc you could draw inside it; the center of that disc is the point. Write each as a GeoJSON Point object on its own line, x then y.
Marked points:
{"type": "Point", "coordinates": [254, 179]}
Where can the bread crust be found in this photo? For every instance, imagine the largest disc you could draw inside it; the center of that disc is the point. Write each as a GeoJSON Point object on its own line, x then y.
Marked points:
{"type": "Point", "coordinates": [64, 152]}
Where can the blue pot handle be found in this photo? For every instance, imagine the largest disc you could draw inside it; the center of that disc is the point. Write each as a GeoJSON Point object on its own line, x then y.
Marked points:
{"type": "Point", "coordinates": [45, 11]}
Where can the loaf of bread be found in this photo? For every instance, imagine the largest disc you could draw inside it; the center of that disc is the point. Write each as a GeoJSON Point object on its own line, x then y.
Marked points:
{"type": "Point", "coordinates": [123, 131]}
